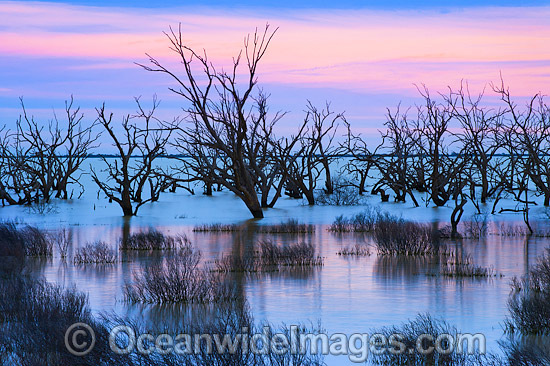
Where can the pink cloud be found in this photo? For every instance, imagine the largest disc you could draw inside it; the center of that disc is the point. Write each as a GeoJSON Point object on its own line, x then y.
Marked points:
{"type": "Point", "coordinates": [359, 50]}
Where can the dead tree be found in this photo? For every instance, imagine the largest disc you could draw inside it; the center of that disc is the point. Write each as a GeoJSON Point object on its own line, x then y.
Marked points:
{"type": "Point", "coordinates": [313, 153]}
{"type": "Point", "coordinates": [480, 138]}
{"type": "Point", "coordinates": [532, 128]}
{"type": "Point", "coordinates": [219, 112]}
{"type": "Point", "coordinates": [260, 153]}
{"type": "Point", "coordinates": [361, 161]}
{"type": "Point", "coordinates": [399, 144]}
{"type": "Point", "coordinates": [138, 146]}
{"type": "Point", "coordinates": [442, 166]}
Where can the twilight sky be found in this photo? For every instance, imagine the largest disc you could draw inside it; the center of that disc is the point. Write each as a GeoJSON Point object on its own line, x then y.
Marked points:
{"type": "Point", "coordinates": [363, 56]}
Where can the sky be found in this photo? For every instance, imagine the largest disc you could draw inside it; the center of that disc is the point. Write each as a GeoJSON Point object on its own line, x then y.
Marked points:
{"type": "Point", "coordinates": [361, 56]}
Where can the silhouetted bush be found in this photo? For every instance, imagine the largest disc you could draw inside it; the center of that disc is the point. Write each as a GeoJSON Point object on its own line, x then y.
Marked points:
{"type": "Point", "coordinates": [361, 222]}
{"type": "Point", "coordinates": [178, 279]}
{"type": "Point", "coordinates": [153, 240]}
{"type": "Point", "coordinates": [12, 247]}
{"type": "Point", "coordinates": [529, 303]}
{"type": "Point", "coordinates": [290, 226]}
{"type": "Point", "coordinates": [34, 316]}
{"type": "Point", "coordinates": [343, 194]}
{"type": "Point", "coordinates": [269, 257]}
{"type": "Point", "coordinates": [357, 250]}
{"type": "Point", "coordinates": [425, 324]}
{"type": "Point", "coordinates": [28, 239]}
{"type": "Point", "coordinates": [395, 236]}
{"type": "Point", "coordinates": [98, 253]}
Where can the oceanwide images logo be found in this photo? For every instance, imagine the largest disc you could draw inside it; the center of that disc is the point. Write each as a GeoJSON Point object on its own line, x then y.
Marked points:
{"type": "Point", "coordinates": [123, 340]}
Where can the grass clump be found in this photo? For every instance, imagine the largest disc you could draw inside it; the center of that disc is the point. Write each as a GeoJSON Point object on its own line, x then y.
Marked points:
{"type": "Point", "coordinates": [269, 257]}
{"type": "Point", "coordinates": [290, 226]}
{"type": "Point", "coordinates": [216, 228]}
{"type": "Point", "coordinates": [529, 303]}
{"type": "Point", "coordinates": [455, 267]}
{"type": "Point", "coordinates": [357, 250]}
{"type": "Point", "coordinates": [96, 253]}
{"type": "Point", "coordinates": [395, 236]}
{"type": "Point", "coordinates": [29, 240]}
{"type": "Point", "coordinates": [178, 279]}
{"type": "Point", "coordinates": [153, 240]}
{"type": "Point", "coordinates": [410, 354]}
{"type": "Point", "coordinates": [362, 222]}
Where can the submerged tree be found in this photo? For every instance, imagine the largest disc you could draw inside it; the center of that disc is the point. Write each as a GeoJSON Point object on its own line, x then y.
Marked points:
{"type": "Point", "coordinates": [40, 159]}
{"type": "Point", "coordinates": [138, 146]}
{"type": "Point", "coordinates": [220, 114]}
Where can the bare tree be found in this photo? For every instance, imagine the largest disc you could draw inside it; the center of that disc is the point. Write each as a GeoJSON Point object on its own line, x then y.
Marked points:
{"type": "Point", "coordinates": [313, 154]}
{"type": "Point", "coordinates": [399, 144]}
{"type": "Point", "coordinates": [480, 137]}
{"type": "Point", "coordinates": [138, 147]}
{"type": "Point", "coordinates": [219, 113]}
{"type": "Point", "coordinates": [361, 159]}
{"type": "Point", "coordinates": [433, 127]}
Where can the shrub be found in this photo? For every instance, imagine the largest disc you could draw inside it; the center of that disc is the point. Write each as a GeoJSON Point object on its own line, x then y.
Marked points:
{"type": "Point", "coordinates": [290, 226]}
{"type": "Point", "coordinates": [395, 236]}
{"type": "Point", "coordinates": [529, 304]}
{"type": "Point", "coordinates": [36, 242]}
{"type": "Point", "coordinates": [358, 250]}
{"type": "Point", "coordinates": [217, 228]}
{"type": "Point", "coordinates": [153, 240]}
{"type": "Point", "coordinates": [12, 247]}
{"type": "Point", "coordinates": [361, 222]}
{"type": "Point", "coordinates": [476, 227]}
{"type": "Point", "coordinates": [423, 324]}
{"type": "Point", "coordinates": [270, 257]}
{"type": "Point", "coordinates": [34, 316]}
{"type": "Point", "coordinates": [177, 280]}
{"type": "Point", "coordinates": [344, 194]}
{"type": "Point", "coordinates": [464, 267]}
{"type": "Point", "coordinates": [98, 253]}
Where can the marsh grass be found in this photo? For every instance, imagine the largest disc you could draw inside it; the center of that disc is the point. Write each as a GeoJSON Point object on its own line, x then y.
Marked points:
{"type": "Point", "coordinates": [529, 303]}
{"type": "Point", "coordinates": [270, 257]}
{"type": "Point", "coordinates": [29, 240]}
{"type": "Point", "coordinates": [477, 226]}
{"type": "Point", "coordinates": [361, 222]}
{"type": "Point", "coordinates": [153, 240]}
{"type": "Point", "coordinates": [395, 236]}
{"type": "Point", "coordinates": [178, 279]}
{"type": "Point", "coordinates": [410, 332]}
{"type": "Point", "coordinates": [357, 250]}
{"type": "Point", "coordinates": [464, 268]}
{"type": "Point", "coordinates": [290, 226]}
{"type": "Point", "coordinates": [344, 194]}
{"type": "Point", "coordinates": [62, 239]}
{"type": "Point", "coordinates": [96, 253]}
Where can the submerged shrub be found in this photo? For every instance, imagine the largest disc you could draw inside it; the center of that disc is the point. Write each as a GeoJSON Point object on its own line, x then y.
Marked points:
{"type": "Point", "coordinates": [177, 279]}
{"type": "Point", "coordinates": [98, 253]}
{"type": "Point", "coordinates": [362, 222]}
{"type": "Point", "coordinates": [357, 250]}
{"type": "Point", "coordinates": [36, 242]}
{"type": "Point", "coordinates": [269, 257]}
{"type": "Point", "coordinates": [410, 332]}
{"type": "Point", "coordinates": [529, 303]}
{"type": "Point", "coordinates": [344, 194]}
{"type": "Point", "coordinates": [290, 226]}
{"type": "Point", "coordinates": [12, 247]}
{"type": "Point", "coordinates": [395, 236]}
{"type": "Point", "coordinates": [153, 240]}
